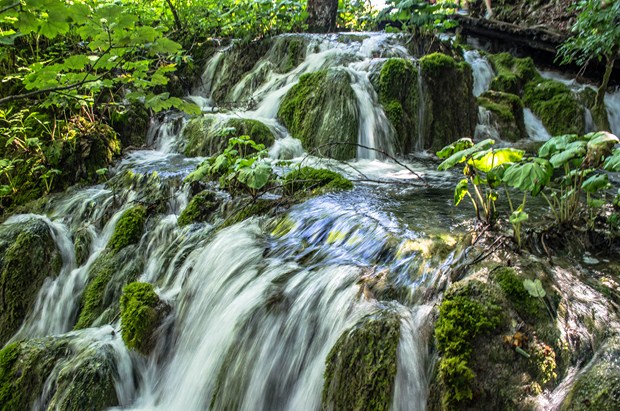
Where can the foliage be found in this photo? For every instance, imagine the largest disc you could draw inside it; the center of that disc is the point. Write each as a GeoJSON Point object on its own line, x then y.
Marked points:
{"type": "Point", "coordinates": [356, 15]}
{"type": "Point", "coordinates": [418, 15]}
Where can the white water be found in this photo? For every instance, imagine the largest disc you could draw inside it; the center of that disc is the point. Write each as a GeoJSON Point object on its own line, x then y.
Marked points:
{"type": "Point", "coordinates": [612, 102]}
{"type": "Point", "coordinates": [534, 127]}
{"type": "Point", "coordinates": [482, 71]}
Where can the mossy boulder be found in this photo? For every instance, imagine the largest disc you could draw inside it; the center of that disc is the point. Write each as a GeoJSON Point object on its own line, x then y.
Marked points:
{"type": "Point", "coordinates": [141, 313]}
{"type": "Point", "coordinates": [28, 255]}
{"type": "Point", "coordinates": [512, 73]}
{"type": "Point", "coordinates": [199, 208]}
{"type": "Point", "coordinates": [398, 93]}
{"type": "Point", "coordinates": [308, 181]}
{"type": "Point", "coordinates": [450, 110]}
{"type": "Point", "coordinates": [506, 112]}
{"type": "Point", "coordinates": [321, 111]}
{"type": "Point", "coordinates": [287, 52]}
{"type": "Point", "coordinates": [129, 228]}
{"type": "Point", "coordinates": [106, 278]}
{"type": "Point", "coordinates": [208, 135]}
{"type": "Point", "coordinates": [556, 106]}
{"type": "Point", "coordinates": [598, 387]}
{"type": "Point", "coordinates": [361, 367]}
{"type": "Point", "coordinates": [244, 208]}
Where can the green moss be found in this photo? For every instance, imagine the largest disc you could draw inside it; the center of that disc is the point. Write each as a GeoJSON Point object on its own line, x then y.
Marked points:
{"type": "Point", "coordinates": [308, 181]}
{"type": "Point", "coordinates": [141, 313]}
{"type": "Point", "coordinates": [28, 255]}
{"type": "Point", "coordinates": [555, 105]}
{"type": "Point", "coordinates": [398, 93]}
{"type": "Point", "coordinates": [288, 53]}
{"type": "Point", "coordinates": [129, 228]}
{"type": "Point", "coordinates": [246, 209]}
{"type": "Point", "coordinates": [449, 106]}
{"type": "Point", "coordinates": [361, 367]}
{"type": "Point", "coordinates": [507, 112]}
{"type": "Point", "coordinates": [463, 315]}
{"type": "Point", "coordinates": [209, 135]}
{"type": "Point", "coordinates": [199, 208]}
{"type": "Point", "coordinates": [512, 73]}
{"type": "Point", "coordinates": [321, 111]}
{"type": "Point", "coordinates": [529, 308]}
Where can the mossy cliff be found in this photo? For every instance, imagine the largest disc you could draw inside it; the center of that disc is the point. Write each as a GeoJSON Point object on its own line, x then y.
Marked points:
{"type": "Point", "coordinates": [116, 266]}
{"type": "Point", "coordinates": [506, 113]}
{"type": "Point", "coordinates": [28, 255]}
{"type": "Point", "coordinates": [398, 93]}
{"type": "Point", "coordinates": [208, 135]}
{"type": "Point", "coordinates": [321, 111]}
{"type": "Point", "coordinates": [81, 378]}
{"type": "Point", "coordinates": [556, 106]}
{"type": "Point", "coordinates": [141, 313]}
{"type": "Point", "coordinates": [450, 110]}
{"type": "Point", "coordinates": [361, 367]}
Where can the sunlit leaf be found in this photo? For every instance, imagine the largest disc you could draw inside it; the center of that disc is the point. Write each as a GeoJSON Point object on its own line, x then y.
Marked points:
{"type": "Point", "coordinates": [529, 176]}
{"type": "Point", "coordinates": [460, 191]}
{"type": "Point", "coordinates": [486, 161]}
{"type": "Point", "coordinates": [534, 288]}
{"type": "Point", "coordinates": [458, 145]}
{"type": "Point", "coordinates": [462, 155]}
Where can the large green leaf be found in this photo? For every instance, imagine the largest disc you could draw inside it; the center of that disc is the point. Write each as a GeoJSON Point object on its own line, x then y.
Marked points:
{"type": "Point", "coordinates": [595, 183]}
{"type": "Point", "coordinates": [457, 146]}
{"type": "Point", "coordinates": [518, 216]}
{"type": "Point", "coordinates": [462, 155]}
{"type": "Point", "coordinates": [487, 160]}
{"type": "Point", "coordinates": [574, 150]}
{"type": "Point", "coordinates": [601, 140]}
{"type": "Point", "coordinates": [534, 288]}
{"type": "Point", "coordinates": [529, 176]}
{"type": "Point", "coordinates": [460, 191]}
{"type": "Point", "coordinates": [555, 144]}
{"type": "Point", "coordinates": [613, 163]}
{"type": "Point", "coordinates": [255, 177]}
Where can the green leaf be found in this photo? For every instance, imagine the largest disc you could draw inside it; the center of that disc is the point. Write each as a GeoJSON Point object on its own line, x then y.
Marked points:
{"type": "Point", "coordinates": [486, 161]}
{"type": "Point", "coordinates": [460, 156]}
{"type": "Point", "coordinates": [534, 288]}
{"type": "Point", "coordinates": [555, 144]}
{"type": "Point", "coordinates": [255, 177]}
{"type": "Point", "coordinates": [613, 163]}
{"type": "Point", "coordinates": [460, 191]}
{"type": "Point", "coordinates": [530, 176]}
{"type": "Point", "coordinates": [601, 140]}
{"type": "Point", "coordinates": [165, 45]}
{"type": "Point", "coordinates": [573, 150]}
{"type": "Point", "coordinates": [77, 62]}
{"type": "Point", "coordinates": [457, 146]}
{"type": "Point", "coordinates": [595, 183]}
{"type": "Point", "coordinates": [518, 217]}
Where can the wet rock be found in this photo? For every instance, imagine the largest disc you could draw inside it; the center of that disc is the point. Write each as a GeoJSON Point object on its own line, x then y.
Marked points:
{"type": "Point", "coordinates": [307, 181]}
{"type": "Point", "coordinates": [28, 255]}
{"type": "Point", "coordinates": [82, 240]}
{"type": "Point", "coordinates": [506, 113]}
{"type": "Point", "coordinates": [321, 111]}
{"type": "Point", "coordinates": [129, 228]}
{"type": "Point", "coordinates": [361, 367]}
{"type": "Point", "coordinates": [141, 314]}
{"type": "Point", "coordinates": [208, 135]}
{"type": "Point", "coordinates": [199, 209]}
{"type": "Point", "coordinates": [450, 110]}
{"type": "Point", "coordinates": [131, 124]}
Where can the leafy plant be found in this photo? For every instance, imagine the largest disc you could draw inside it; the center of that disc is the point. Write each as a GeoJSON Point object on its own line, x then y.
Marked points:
{"type": "Point", "coordinates": [418, 16]}
{"type": "Point", "coordinates": [536, 290]}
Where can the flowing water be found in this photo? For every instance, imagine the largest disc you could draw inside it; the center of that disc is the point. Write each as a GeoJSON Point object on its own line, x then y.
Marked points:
{"type": "Point", "coordinates": [258, 306]}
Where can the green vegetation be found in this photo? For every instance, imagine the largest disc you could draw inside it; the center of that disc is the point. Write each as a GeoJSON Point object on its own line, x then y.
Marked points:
{"type": "Point", "coordinates": [529, 308]}
{"type": "Point", "coordinates": [507, 112]}
{"type": "Point", "coordinates": [361, 366]}
{"type": "Point", "coordinates": [512, 73]}
{"type": "Point", "coordinates": [555, 105]}
{"type": "Point", "coordinates": [320, 111]}
{"type": "Point", "coordinates": [199, 208]}
{"type": "Point", "coordinates": [308, 181]}
{"type": "Point", "coordinates": [129, 228]}
{"type": "Point", "coordinates": [141, 313]}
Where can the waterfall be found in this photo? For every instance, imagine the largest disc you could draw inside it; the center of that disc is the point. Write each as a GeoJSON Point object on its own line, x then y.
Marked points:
{"type": "Point", "coordinates": [612, 102]}
{"type": "Point", "coordinates": [534, 127]}
{"type": "Point", "coordinates": [485, 127]}
{"type": "Point", "coordinates": [482, 71]}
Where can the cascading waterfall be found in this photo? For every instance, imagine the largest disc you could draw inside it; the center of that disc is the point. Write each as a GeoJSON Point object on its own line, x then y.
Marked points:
{"type": "Point", "coordinates": [612, 102]}
{"type": "Point", "coordinates": [482, 71]}
{"type": "Point", "coordinates": [534, 127]}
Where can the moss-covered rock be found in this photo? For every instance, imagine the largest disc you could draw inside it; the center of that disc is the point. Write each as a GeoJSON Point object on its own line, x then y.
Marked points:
{"type": "Point", "coordinates": [598, 387]}
{"type": "Point", "coordinates": [361, 367]}
{"type": "Point", "coordinates": [512, 73]}
{"type": "Point", "coordinates": [86, 382]}
{"type": "Point", "coordinates": [129, 228]}
{"type": "Point", "coordinates": [308, 181]}
{"type": "Point", "coordinates": [152, 189]}
{"type": "Point", "coordinates": [208, 135]}
{"type": "Point", "coordinates": [28, 255]}
{"type": "Point", "coordinates": [450, 110]}
{"type": "Point", "coordinates": [131, 124]}
{"type": "Point", "coordinates": [287, 52]}
{"type": "Point", "coordinates": [199, 208]}
{"type": "Point", "coordinates": [244, 208]}
{"type": "Point", "coordinates": [529, 308]}
{"type": "Point", "coordinates": [321, 111]}
{"type": "Point", "coordinates": [398, 93]}
{"type": "Point", "coordinates": [141, 313]}
{"type": "Point", "coordinates": [507, 113]}
{"type": "Point", "coordinates": [106, 278]}
{"type": "Point", "coordinates": [82, 240]}
{"type": "Point", "coordinates": [556, 106]}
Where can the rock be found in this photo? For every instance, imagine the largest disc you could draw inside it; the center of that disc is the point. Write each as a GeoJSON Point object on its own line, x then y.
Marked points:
{"type": "Point", "coordinates": [321, 111]}
{"type": "Point", "coordinates": [208, 135]}
{"type": "Point", "coordinates": [512, 73]}
{"type": "Point", "coordinates": [307, 181]}
{"type": "Point", "coordinates": [129, 228]}
{"type": "Point", "coordinates": [598, 387]}
{"type": "Point", "coordinates": [199, 208]}
{"type": "Point", "coordinates": [556, 106]}
{"type": "Point", "coordinates": [141, 313]}
{"type": "Point", "coordinates": [450, 110]}
{"type": "Point", "coordinates": [131, 124]}
{"type": "Point", "coordinates": [28, 255]}
{"type": "Point", "coordinates": [287, 52]}
{"type": "Point", "coordinates": [398, 93]}
{"type": "Point", "coordinates": [82, 240]}
{"type": "Point", "coordinates": [361, 366]}
{"type": "Point", "coordinates": [506, 113]}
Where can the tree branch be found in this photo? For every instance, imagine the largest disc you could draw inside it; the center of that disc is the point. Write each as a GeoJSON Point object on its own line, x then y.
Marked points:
{"type": "Point", "coordinates": [7, 8]}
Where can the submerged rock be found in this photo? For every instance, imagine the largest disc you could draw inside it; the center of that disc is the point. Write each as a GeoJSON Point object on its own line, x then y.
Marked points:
{"type": "Point", "coordinates": [28, 255]}
{"type": "Point", "coordinates": [208, 135]}
{"type": "Point", "coordinates": [321, 111]}
{"type": "Point", "coordinates": [556, 106]}
{"type": "Point", "coordinates": [506, 113]}
{"type": "Point", "coordinates": [141, 313]}
{"type": "Point", "coordinates": [361, 367]}
{"type": "Point", "coordinates": [450, 110]}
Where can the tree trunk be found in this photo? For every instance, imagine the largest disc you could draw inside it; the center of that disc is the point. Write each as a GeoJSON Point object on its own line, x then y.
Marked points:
{"type": "Point", "coordinates": [177, 21]}
{"type": "Point", "coordinates": [322, 15]}
{"type": "Point", "coordinates": [599, 110]}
